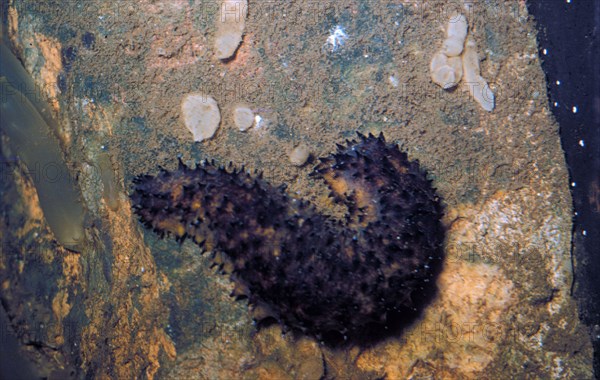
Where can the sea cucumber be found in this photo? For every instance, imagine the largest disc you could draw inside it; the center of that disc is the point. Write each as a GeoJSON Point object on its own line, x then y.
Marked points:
{"type": "Point", "coordinates": [339, 281]}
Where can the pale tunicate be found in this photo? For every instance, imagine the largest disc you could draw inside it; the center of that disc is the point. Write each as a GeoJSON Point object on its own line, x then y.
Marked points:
{"type": "Point", "coordinates": [456, 32]}
{"type": "Point", "coordinates": [201, 115]}
{"type": "Point", "coordinates": [446, 65]}
{"type": "Point", "coordinates": [458, 60]}
{"type": "Point", "coordinates": [299, 155]}
{"type": "Point", "coordinates": [243, 117]}
{"type": "Point", "coordinates": [231, 21]}
{"type": "Point", "coordinates": [446, 71]}
{"type": "Point", "coordinates": [478, 87]}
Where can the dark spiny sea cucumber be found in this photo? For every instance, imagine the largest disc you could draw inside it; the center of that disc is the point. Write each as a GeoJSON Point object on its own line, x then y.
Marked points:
{"type": "Point", "coordinates": [351, 280]}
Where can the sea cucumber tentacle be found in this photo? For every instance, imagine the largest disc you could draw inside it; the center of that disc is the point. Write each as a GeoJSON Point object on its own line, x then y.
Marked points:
{"type": "Point", "coordinates": [309, 271]}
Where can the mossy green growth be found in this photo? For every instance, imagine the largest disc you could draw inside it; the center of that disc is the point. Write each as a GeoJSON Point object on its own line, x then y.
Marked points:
{"type": "Point", "coordinates": [15, 74]}
{"type": "Point", "coordinates": [33, 141]}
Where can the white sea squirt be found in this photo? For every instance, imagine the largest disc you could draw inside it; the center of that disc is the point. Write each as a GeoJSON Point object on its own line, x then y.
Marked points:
{"type": "Point", "coordinates": [478, 87]}
{"type": "Point", "coordinates": [456, 33]}
{"type": "Point", "coordinates": [201, 115]}
{"type": "Point", "coordinates": [446, 66]}
{"type": "Point", "coordinates": [446, 71]}
{"type": "Point", "coordinates": [457, 61]}
{"type": "Point", "coordinates": [243, 117]}
{"type": "Point", "coordinates": [231, 22]}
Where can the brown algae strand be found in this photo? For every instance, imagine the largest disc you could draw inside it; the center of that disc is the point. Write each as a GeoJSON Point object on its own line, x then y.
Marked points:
{"type": "Point", "coordinates": [110, 193]}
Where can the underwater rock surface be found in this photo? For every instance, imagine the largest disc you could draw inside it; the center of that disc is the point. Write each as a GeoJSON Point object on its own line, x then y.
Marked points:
{"type": "Point", "coordinates": [352, 281]}
{"type": "Point", "coordinates": [132, 305]}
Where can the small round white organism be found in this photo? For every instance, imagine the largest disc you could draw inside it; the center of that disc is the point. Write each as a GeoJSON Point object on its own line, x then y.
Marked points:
{"type": "Point", "coordinates": [201, 115]}
{"type": "Point", "coordinates": [299, 155]}
{"type": "Point", "coordinates": [243, 117]}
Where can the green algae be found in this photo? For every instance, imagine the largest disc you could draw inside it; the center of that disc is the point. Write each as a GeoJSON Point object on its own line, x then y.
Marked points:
{"type": "Point", "coordinates": [34, 141]}
{"type": "Point", "coordinates": [16, 75]}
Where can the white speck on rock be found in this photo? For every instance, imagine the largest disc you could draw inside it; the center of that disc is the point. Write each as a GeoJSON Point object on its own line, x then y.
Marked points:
{"type": "Point", "coordinates": [257, 122]}
{"type": "Point", "coordinates": [337, 38]}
